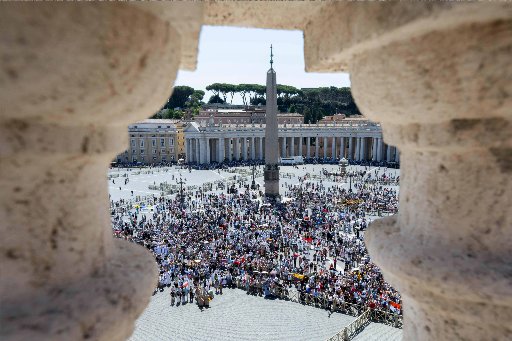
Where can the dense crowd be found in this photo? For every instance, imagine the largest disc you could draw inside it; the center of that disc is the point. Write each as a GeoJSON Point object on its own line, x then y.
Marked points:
{"type": "Point", "coordinates": [310, 243]}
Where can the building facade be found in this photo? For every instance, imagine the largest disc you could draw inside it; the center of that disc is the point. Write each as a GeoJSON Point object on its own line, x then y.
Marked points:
{"type": "Point", "coordinates": [151, 141]}
{"type": "Point", "coordinates": [244, 115]}
{"type": "Point", "coordinates": [180, 140]}
{"type": "Point", "coordinates": [358, 140]}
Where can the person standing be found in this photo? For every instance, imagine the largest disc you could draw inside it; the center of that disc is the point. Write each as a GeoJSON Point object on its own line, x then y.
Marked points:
{"type": "Point", "coordinates": [173, 295]}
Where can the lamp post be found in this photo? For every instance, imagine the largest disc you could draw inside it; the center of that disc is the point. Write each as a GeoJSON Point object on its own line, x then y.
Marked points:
{"type": "Point", "coordinates": [343, 167]}
{"type": "Point", "coordinates": [182, 198]}
{"type": "Point", "coordinates": [253, 184]}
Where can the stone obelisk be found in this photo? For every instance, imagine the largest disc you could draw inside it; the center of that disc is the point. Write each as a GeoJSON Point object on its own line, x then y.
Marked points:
{"type": "Point", "coordinates": [271, 136]}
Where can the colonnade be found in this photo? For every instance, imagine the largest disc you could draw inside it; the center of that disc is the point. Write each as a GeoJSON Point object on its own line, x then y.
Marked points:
{"type": "Point", "coordinates": [204, 150]}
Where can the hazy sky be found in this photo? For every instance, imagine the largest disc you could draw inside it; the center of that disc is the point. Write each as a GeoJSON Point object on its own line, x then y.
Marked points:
{"type": "Point", "coordinates": [242, 55]}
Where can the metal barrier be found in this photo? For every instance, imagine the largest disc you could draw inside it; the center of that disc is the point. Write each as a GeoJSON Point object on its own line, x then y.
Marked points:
{"type": "Point", "coordinates": [391, 319]}
{"type": "Point", "coordinates": [291, 294]}
{"type": "Point", "coordinates": [353, 328]}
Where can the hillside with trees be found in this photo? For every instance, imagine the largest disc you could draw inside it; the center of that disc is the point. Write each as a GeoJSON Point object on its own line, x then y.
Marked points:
{"type": "Point", "coordinates": [312, 103]}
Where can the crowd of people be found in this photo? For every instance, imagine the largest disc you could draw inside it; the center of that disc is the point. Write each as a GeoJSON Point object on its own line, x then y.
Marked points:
{"type": "Point", "coordinates": [310, 243]}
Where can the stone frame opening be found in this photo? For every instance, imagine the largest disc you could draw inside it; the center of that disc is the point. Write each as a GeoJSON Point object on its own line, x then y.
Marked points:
{"type": "Point", "coordinates": [435, 75]}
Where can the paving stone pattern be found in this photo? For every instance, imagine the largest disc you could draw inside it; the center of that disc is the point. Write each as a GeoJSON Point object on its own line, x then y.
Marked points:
{"type": "Point", "coordinates": [238, 316]}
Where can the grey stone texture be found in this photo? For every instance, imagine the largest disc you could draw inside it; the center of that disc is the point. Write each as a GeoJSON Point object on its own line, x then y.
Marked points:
{"type": "Point", "coordinates": [236, 316]}
{"type": "Point", "coordinates": [73, 76]}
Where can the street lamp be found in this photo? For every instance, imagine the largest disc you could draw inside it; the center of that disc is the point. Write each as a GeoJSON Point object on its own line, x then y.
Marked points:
{"type": "Point", "coordinates": [253, 185]}
{"type": "Point", "coordinates": [182, 197]}
{"type": "Point", "coordinates": [343, 167]}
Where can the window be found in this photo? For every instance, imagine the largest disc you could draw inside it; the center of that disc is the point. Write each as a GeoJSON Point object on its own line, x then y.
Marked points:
{"type": "Point", "coordinates": [133, 142]}
{"type": "Point", "coordinates": [159, 126]}
{"type": "Point", "coordinates": [154, 158]}
{"type": "Point", "coordinates": [142, 143]}
{"type": "Point", "coordinates": [162, 142]}
{"type": "Point", "coordinates": [171, 141]}
{"type": "Point", "coordinates": [142, 151]}
{"type": "Point", "coordinates": [172, 151]}
{"type": "Point", "coordinates": [172, 157]}
{"type": "Point", "coordinates": [164, 159]}
{"type": "Point", "coordinates": [134, 159]}
{"type": "Point", "coordinates": [154, 151]}
{"type": "Point", "coordinates": [153, 142]}
{"type": "Point", "coordinates": [134, 151]}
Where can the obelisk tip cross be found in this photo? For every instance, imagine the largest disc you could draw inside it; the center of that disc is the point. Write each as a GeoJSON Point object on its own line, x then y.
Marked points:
{"type": "Point", "coordinates": [271, 55]}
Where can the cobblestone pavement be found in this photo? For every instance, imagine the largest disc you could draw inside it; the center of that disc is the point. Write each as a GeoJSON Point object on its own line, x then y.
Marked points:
{"type": "Point", "coordinates": [139, 183]}
{"type": "Point", "coordinates": [236, 316]}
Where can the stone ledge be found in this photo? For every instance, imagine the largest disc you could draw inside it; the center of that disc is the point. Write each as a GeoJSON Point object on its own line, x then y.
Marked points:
{"type": "Point", "coordinates": [427, 264]}
{"type": "Point", "coordinates": [100, 307]}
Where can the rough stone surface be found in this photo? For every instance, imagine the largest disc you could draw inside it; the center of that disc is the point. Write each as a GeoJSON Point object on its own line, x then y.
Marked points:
{"type": "Point", "coordinates": [430, 73]}
{"type": "Point", "coordinates": [72, 77]}
{"type": "Point", "coordinates": [448, 111]}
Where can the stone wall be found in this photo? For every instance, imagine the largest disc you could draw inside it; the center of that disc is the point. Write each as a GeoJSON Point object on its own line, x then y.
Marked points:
{"type": "Point", "coordinates": [74, 75]}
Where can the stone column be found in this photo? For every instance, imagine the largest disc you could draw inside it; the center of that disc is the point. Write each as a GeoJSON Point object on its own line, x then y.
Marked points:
{"type": "Point", "coordinates": [308, 147]}
{"type": "Point", "coordinates": [357, 151]}
{"type": "Point", "coordinates": [222, 150]}
{"type": "Point", "coordinates": [243, 146]}
{"type": "Point", "coordinates": [253, 150]}
{"type": "Point", "coordinates": [317, 147]}
{"type": "Point", "coordinates": [301, 149]}
{"type": "Point", "coordinates": [198, 150]}
{"type": "Point", "coordinates": [73, 78]}
{"type": "Point", "coordinates": [283, 147]}
{"type": "Point", "coordinates": [333, 147]}
{"type": "Point", "coordinates": [208, 152]}
{"type": "Point", "coordinates": [388, 153]}
{"type": "Point", "coordinates": [325, 147]}
{"type": "Point", "coordinates": [229, 149]}
{"type": "Point", "coordinates": [342, 147]}
{"type": "Point", "coordinates": [374, 149]}
{"type": "Point", "coordinates": [363, 149]}
{"type": "Point", "coordinates": [292, 146]}
{"type": "Point", "coordinates": [350, 148]}
{"type": "Point", "coordinates": [448, 249]}
{"type": "Point", "coordinates": [260, 151]}
{"type": "Point", "coordinates": [187, 150]}
{"type": "Point", "coordinates": [236, 148]}
{"type": "Point", "coordinates": [379, 149]}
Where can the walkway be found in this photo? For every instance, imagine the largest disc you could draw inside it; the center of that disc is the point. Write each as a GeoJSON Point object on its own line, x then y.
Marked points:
{"type": "Point", "coordinates": [236, 316]}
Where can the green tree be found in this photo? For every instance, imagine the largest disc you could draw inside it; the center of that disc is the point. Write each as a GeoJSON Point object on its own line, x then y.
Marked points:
{"type": "Point", "coordinates": [232, 89]}
{"type": "Point", "coordinates": [215, 99]}
{"type": "Point", "coordinates": [180, 95]}
{"type": "Point", "coordinates": [215, 88]}
{"type": "Point", "coordinates": [244, 91]}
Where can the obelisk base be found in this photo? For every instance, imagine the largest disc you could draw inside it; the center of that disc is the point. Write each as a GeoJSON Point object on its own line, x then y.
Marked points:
{"type": "Point", "coordinates": [271, 175]}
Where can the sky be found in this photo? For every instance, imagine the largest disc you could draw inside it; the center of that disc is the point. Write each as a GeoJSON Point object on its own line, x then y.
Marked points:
{"type": "Point", "coordinates": [242, 55]}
